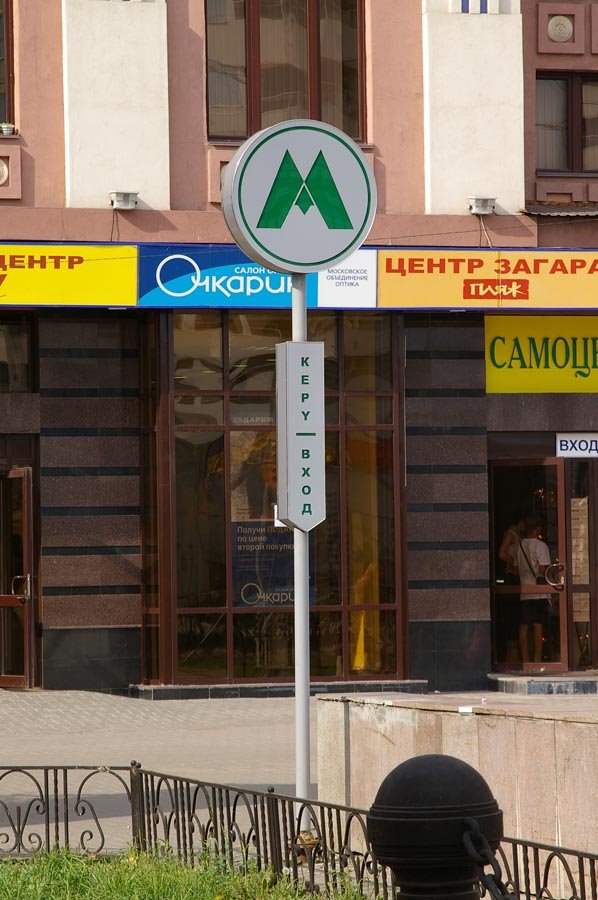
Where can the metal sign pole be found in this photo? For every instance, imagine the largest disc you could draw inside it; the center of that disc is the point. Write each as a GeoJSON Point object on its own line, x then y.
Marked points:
{"type": "Point", "coordinates": [301, 595]}
{"type": "Point", "coordinates": [300, 197]}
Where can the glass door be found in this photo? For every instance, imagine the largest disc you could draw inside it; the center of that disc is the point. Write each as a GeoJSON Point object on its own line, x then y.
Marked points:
{"type": "Point", "coordinates": [15, 577]}
{"type": "Point", "coordinates": [582, 487]}
{"type": "Point", "coordinates": [529, 574]}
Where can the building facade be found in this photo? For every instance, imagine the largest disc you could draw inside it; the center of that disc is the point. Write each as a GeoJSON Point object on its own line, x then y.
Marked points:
{"type": "Point", "coordinates": [137, 476]}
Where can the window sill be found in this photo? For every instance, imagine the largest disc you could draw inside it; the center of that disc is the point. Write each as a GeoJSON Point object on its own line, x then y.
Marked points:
{"type": "Point", "coordinates": [565, 174]}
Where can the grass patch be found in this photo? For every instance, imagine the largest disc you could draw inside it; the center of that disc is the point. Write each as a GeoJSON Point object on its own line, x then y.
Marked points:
{"type": "Point", "coordinates": [64, 876]}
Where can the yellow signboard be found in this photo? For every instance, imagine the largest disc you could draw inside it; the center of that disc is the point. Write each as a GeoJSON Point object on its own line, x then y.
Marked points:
{"type": "Point", "coordinates": [68, 275]}
{"type": "Point", "coordinates": [487, 279]}
{"type": "Point", "coordinates": [541, 354]}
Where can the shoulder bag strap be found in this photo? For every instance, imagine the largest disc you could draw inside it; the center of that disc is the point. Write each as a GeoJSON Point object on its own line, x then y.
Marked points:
{"type": "Point", "coordinates": [529, 565]}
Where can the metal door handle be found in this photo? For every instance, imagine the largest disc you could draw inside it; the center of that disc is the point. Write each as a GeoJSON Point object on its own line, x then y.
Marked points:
{"type": "Point", "coordinates": [555, 576]}
{"type": "Point", "coordinates": [23, 597]}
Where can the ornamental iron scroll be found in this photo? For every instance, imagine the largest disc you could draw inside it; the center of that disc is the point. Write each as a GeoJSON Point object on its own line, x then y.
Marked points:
{"type": "Point", "coordinates": [46, 808]}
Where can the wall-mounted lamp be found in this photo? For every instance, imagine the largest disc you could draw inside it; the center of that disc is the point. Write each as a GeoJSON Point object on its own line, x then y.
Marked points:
{"type": "Point", "coordinates": [124, 199]}
{"type": "Point", "coordinates": [481, 206]}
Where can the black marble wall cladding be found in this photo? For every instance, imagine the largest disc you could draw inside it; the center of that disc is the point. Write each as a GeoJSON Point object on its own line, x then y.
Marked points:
{"type": "Point", "coordinates": [91, 659]}
{"type": "Point", "coordinates": [90, 506]}
{"type": "Point", "coordinates": [452, 656]}
{"type": "Point", "coordinates": [447, 504]}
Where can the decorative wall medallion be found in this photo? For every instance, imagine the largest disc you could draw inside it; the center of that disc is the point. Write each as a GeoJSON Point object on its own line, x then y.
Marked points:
{"type": "Point", "coordinates": [4, 171]}
{"type": "Point", "coordinates": [560, 29]}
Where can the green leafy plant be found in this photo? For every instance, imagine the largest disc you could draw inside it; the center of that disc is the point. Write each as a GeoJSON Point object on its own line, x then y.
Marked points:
{"type": "Point", "coordinates": [137, 876]}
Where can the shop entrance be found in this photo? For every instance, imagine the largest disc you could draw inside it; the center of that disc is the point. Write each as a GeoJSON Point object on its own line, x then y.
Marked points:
{"type": "Point", "coordinates": [15, 577]}
{"type": "Point", "coordinates": [553, 626]}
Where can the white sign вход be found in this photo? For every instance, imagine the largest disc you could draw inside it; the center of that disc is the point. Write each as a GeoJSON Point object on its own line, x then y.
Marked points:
{"type": "Point", "coordinates": [300, 450]}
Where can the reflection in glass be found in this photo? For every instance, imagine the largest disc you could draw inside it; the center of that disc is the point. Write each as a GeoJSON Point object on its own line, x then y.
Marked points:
{"type": "Point", "coordinates": [256, 556]}
{"type": "Point", "coordinates": [331, 410]}
{"type": "Point", "coordinates": [12, 640]}
{"type": "Point", "coordinates": [11, 532]}
{"type": "Point", "coordinates": [551, 123]}
{"type": "Point", "coordinates": [151, 640]}
{"type": "Point", "coordinates": [200, 519]}
{"type": "Point", "coordinates": [340, 65]}
{"type": "Point", "coordinates": [368, 359]}
{"type": "Point", "coordinates": [253, 459]}
{"type": "Point", "coordinates": [369, 509]}
{"type": "Point", "coordinates": [227, 88]}
{"type": "Point", "coordinates": [198, 350]}
{"type": "Point", "coordinates": [248, 410]}
{"type": "Point", "coordinates": [12, 622]}
{"type": "Point", "coordinates": [324, 543]}
{"type": "Point", "coordinates": [323, 327]}
{"type": "Point", "coordinates": [262, 555]}
{"type": "Point", "coordinates": [370, 523]}
{"type": "Point", "coordinates": [368, 410]}
{"type": "Point", "coordinates": [326, 643]}
{"type": "Point", "coordinates": [263, 645]}
{"type": "Point", "coordinates": [201, 647]}
{"type": "Point", "coordinates": [372, 642]}
{"type": "Point", "coordinates": [580, 528]}
{"type": "Point", "coordinates": [252, 339]}
{"type": "Point", "coordinates": [283, 51]}
{"type": "Point", "coordinates": [582, 638]}
{"type": "Point", "coordinates": [551, 630]}
{"type": "Point", "coordinates": [194, 410]}
{"type": "Point", "coordinates": [14, 354]}
{"type": "Point", "coordinates": [589, 99]}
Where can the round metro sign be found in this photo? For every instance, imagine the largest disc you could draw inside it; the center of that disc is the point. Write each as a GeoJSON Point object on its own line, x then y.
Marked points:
{"type": "Point", "coordinates": [299, 196]}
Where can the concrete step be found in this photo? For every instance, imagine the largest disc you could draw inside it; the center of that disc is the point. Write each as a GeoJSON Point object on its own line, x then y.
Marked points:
{"type": "Point", "coordinates": [204, 692]}
{"type": "Point", "coordinates": [537, 683]}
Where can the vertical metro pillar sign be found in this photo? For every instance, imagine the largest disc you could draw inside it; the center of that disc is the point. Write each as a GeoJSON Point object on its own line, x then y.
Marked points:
{"type": "Point", "coordinates": [300, 446]}
{"type": "Point", "coordinates": [299, 197]}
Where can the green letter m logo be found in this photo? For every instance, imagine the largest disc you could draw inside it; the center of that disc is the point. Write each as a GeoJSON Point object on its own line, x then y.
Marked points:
{"type": "Point", "coordinates": [318, 189]}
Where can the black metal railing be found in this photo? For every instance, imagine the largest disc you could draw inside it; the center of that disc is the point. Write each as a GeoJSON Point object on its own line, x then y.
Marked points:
{"type": "Point", "coordinates": [321, 845]}
{"type": "Point", "coordinates": [45, 808]}
{"type": "Point", "coordinates": [103, 810]}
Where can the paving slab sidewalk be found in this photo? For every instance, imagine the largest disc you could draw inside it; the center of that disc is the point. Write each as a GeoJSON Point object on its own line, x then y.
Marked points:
{"type": "Point", "coordinates": [242, 741]}
{"type": "Point", "coordinates": [246, 742]}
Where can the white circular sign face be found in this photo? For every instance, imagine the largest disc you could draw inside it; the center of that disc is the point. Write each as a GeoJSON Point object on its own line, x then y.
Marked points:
{"type": "Point", "coordinates": [299, 197]}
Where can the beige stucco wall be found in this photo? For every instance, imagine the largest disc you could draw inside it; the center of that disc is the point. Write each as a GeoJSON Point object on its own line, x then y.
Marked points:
{"type": "Point", "coordinates": [472, 108]}
{"type": "Point", "coordinates": [394, 103]}
{"type": "Point", "coordinates": [538, 754]}
{"type": "Point", "coordinates": [115, 102]}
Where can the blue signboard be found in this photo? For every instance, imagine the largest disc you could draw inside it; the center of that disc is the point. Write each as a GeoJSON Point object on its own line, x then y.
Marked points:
{"type": "Point", "coordinates": [192, 276]}
{"type": "Point", "coordinates": [211, 275]}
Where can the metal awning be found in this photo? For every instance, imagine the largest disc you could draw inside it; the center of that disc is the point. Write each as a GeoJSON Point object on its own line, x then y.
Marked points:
{"type": "Point", "coordinates": [561, 209]}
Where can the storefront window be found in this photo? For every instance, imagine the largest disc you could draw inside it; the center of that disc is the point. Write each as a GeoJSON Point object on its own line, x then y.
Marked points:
{"type": "Point", "coordinates": [15, 372]}
{"type": "Point", "coordinates": [370, 514]}
{"type": "Point", "coordinates": [231, 555]}
{"type": "Point", "coordinates": [198, 351]}
{"type": "Point", "coordinates": [201, 578]}
{"type": "Point", "coordinates": [367, 353]}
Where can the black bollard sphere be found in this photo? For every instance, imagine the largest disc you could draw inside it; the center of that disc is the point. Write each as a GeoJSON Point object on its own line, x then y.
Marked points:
{"type": "Point", "coordinates": [416, 826]}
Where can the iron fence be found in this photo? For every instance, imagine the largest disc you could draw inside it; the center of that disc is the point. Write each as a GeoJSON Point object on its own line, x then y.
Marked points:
{"type": "Point", "coordinates": [104, 810]}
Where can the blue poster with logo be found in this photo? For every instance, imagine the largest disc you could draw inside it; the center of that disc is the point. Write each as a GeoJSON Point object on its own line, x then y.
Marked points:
{"type": "Point", "coordinates": [212, 275]}
{"type": "Point", "coordinates": [263, 571]}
